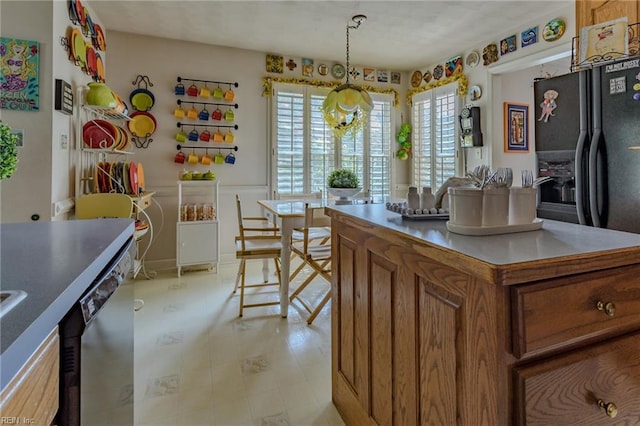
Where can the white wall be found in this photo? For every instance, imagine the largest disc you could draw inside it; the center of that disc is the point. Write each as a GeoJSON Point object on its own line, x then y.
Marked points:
{"type": "Point", "coordinates": [517, 87]}
{"type": "Point", "coordinates": [163, 60]}
{"type": "Point", "coordinates": [28, 191]}
{"type": "Point", "coordinates": [493, 93]}
{"type": "Point", "coordinates": [45, 172]}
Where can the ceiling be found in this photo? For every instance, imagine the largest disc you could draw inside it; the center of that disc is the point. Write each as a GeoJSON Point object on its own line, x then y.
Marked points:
{"type": "Point", "coordinates": [398, 35]}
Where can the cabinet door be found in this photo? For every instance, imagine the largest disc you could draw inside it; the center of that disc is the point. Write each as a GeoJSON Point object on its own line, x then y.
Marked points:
{"type": "Point", "coordinates": [197, 242]}
{"type": "Point", "coordinates": [590, 12]}
{"type": "Point", "coordinates": [566, 390]}
{"type": "Point", "coordinates": [413, 341]}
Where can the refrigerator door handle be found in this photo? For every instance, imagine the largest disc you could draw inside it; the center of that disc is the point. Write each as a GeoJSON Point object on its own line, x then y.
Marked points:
{"type": "Point", "coordinates": [594, 147]}
{"type": "Point", "coordinates": [580, 178]}
{"type": "Point", "coordinates": [583, 139]}
{"type": "Point", "coordinates": [593, 178]}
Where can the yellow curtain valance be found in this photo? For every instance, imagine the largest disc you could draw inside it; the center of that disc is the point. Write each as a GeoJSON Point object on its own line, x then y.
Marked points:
{"type": "Point", "coordinates": [463, 85]}
{"type": "Point", "coordinates": [268, 81]}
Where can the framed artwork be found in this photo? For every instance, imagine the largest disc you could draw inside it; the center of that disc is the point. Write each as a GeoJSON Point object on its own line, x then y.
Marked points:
{"type": "Point", "coordinates": [369, 74]}
{"type": "Point", "coordinates": [383, 76]}
{"type": "Point", "coordinates": [508, 45]}
{"type": "Point", "coordinates": [606, 40]}
{"type": "Point", "coordinates": [453, 66]}
{"type": "Point", "coordinates": [20, 137]}
{"type": "Point", "coordinates": [516, 127]}
{"type": "Point", "coordinates": [395, 77]}
{"type": "Point", "coordinates": [19, 74]}
{"type": "Point", "coordinates": [529, 37]}
{"type": "Point", "coordinates": [307, 67]}
{"type": "Point", "coordinates": [275, 63]}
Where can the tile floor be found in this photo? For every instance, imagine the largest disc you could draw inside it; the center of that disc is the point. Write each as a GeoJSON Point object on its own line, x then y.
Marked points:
{"type": "Point", "coordinates": [198, 363]}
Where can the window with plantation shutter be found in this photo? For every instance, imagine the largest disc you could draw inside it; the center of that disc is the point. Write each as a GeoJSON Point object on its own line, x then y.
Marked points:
{"type": "Point", "coordinates": [305, 150]}
{"type": "Point", "coordinates": [435, 150]}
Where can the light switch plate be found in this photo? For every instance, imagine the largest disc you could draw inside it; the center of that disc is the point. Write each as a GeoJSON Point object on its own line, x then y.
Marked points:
{"type": "Point", "coordinates": [64, 141]}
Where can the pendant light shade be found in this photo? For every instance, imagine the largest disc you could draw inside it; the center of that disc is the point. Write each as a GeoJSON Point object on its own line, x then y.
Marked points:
{"type": "Point", "coordinates": [347, 106]}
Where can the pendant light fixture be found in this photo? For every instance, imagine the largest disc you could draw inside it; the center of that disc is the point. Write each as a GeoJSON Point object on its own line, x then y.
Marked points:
{"type": "Point", "coordinates": [346, 107]}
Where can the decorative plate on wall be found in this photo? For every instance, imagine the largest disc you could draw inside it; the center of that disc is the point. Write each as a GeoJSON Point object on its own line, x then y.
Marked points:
{"type": "Point", "coordinates": [416, 78]}
{"type": "Point", "coordinates": [438, 71]}
{"type": "Point", "coordinates": [553, 30]}
{"type": "Point", "coordinates": [323, 69]}
{"type": "Point", "coordinates": [473, 59]}
{"type": "Point", "coordinates": [338, 71]}
{"type": "Point", "coordinates": [475, 93]}
{"type": "Point", "coordinates": [427, 76]}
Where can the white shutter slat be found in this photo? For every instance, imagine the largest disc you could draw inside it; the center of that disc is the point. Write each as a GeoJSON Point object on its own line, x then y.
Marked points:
{"type": "Point", "coordinates": [305, 150]}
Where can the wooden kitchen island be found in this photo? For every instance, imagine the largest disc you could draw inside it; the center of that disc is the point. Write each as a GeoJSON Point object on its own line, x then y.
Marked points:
{"type": "Point", "coordinates": [434, 328]}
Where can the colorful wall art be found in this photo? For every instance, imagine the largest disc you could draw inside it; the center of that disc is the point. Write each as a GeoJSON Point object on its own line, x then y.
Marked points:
{"type": "Point", "coordinates": [19, 74]}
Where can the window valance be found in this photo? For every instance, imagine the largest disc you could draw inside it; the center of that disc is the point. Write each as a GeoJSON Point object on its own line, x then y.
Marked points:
{"type": "Point", "coordinates": [463, 86]}
{"type": "Point", "coordinates": [268, 81]}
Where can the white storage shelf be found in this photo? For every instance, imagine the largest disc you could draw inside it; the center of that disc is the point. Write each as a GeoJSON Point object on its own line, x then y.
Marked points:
{"type": "Point", "coordinates": [197, 234]}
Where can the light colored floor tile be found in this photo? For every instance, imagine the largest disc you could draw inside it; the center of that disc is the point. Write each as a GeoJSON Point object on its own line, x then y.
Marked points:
{"type": "Point", "coordinates": [198, 363]}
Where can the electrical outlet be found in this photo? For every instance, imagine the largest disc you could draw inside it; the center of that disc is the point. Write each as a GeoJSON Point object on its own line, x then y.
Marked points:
{"type": "Point", "coordinates": [64, 141]}
{"type": "Point", "coordinates": [479, 153]}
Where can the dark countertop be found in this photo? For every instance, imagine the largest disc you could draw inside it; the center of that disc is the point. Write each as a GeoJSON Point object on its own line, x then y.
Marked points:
{"type": "Point", "coordinates": [54, 262]}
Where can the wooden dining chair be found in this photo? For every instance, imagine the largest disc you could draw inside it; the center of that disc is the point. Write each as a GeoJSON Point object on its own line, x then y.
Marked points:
{"type": "Point", "coordinates": [319, 234]}
{"type": "Point", "coordinates": [255, 242]}
{"type": "Point", "coordinates": [255, 225]}
{"type": "Point", "coordinates": [317, 256]}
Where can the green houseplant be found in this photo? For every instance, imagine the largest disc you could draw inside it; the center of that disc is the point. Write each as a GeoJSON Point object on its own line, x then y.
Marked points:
{"type": "Point", "coordinates": [343, 183]}
{"type": "Point", "coordinates": [8, 151]}
{"type": "Point", "coordinates": [342, 178]}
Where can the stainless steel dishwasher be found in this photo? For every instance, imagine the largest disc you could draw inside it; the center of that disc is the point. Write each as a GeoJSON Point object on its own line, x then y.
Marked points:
{"type": "Point", "coordinates": [96, 352]}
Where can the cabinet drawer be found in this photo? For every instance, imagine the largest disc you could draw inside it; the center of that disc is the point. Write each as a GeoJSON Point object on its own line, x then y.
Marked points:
{"type": "Point", "coordinates": [556, 313]}
{"type": "Point", "coordinates": [565, 390]}
{"type": "Point", "coordinates": [31, 397]}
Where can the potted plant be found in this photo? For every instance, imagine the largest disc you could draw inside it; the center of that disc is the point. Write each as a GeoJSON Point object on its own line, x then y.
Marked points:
{"type": "Point", "coordinates": [404, 140]}
{"type": "Point", "coordinates": [343, 183]}
{"type": "Point", "coordinates": [8, 151]}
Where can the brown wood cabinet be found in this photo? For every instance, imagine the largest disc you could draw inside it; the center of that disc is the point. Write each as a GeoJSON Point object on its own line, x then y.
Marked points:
{"type": "Point", "coordinates": [590, 12]}
{"type": "Point", "coordinates": [32, 395]}
{"type": "Point", "coordinates": [425, 336]}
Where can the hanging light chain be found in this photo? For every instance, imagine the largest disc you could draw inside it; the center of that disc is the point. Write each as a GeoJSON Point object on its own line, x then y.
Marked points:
{"type": "Point", "coordinates": [348, 70]}
{"type": "Point", "coordinates": [358, 19]}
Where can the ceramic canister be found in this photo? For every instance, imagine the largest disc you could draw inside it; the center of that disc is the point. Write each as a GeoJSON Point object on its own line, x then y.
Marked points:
{"type": "Point", "coordinates": [522, 205]}
{"type": "Point", "coordinates": [465, 206]}
{"type": "Point", "coordinates": [495, 206]}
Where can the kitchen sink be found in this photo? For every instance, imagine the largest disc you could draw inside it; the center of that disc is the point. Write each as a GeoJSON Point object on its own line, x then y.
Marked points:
{"type": "Point", "coordinates": [9, 299]}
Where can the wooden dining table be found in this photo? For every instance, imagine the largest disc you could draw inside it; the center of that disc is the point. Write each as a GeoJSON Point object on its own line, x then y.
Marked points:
{"type": "Point", "coordinates": [288, 215]}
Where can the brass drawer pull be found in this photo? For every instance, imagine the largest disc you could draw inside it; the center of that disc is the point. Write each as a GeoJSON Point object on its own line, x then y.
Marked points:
{"type": "Point", "coordinates": [608, 308]}
{"type": "Point", "coordinates": [609, 408]}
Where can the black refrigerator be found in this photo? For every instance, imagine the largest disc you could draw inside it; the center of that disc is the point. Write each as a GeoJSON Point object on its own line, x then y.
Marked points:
{"type": "Point", "coordinates": [586, 143]}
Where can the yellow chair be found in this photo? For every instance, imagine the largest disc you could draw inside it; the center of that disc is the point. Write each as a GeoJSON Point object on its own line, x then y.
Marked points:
{"type": "Point", "coordinates": [317, 256]}
{"type": "Point", "coordinates": [250, 246]}
{"type": "Point", "coordinates": [106, 205]}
